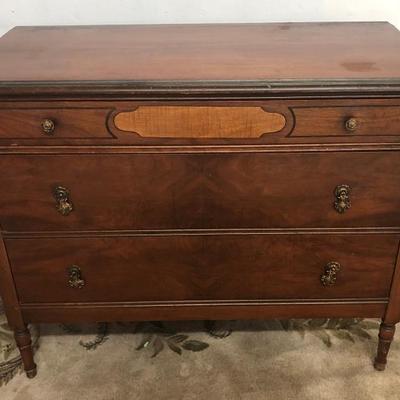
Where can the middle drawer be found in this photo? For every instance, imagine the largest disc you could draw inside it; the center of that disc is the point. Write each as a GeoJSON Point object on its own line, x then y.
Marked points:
{"type": "Point", "coordinates": [199, 191]}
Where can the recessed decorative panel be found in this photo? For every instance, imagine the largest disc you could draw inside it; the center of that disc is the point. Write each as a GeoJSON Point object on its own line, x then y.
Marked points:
{"type": "Point", "coordinates": [200, 122]}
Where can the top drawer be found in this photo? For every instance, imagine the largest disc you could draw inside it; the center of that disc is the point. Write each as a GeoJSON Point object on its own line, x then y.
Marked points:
{"type": "Point", "coordinates": [347, 121]}
{"type": "Point", "coordinates": [189, 123]}
{"type": "Point", "coordinates": [54, 123]}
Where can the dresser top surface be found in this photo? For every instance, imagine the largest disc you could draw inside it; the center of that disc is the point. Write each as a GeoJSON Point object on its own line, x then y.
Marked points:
{"type": "Point", "coordinates": [208, 52]}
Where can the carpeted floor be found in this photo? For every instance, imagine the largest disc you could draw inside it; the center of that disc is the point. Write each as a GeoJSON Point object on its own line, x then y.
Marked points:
{"type": "Point", "coordinates": [258, 360]}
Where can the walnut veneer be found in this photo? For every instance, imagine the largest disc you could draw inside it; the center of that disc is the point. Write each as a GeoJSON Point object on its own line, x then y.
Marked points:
{"type": "Point", "coordinates": [200, 172]}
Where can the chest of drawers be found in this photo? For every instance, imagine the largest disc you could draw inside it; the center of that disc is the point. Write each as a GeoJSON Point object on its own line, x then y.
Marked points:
{"type": "Point", "coordinates": [200, 172]}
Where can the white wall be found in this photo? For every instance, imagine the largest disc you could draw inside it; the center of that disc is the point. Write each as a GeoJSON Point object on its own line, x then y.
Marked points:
{"type": "Point", "coordinates": [67, 12]}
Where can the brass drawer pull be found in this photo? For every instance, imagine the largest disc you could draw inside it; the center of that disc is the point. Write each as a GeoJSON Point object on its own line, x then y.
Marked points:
{"type": "Point", "coordinates": [75, 277]}
{"type": "Point", "coordinates": [48, 126]}
{"type": "Point", "coordinates": [64, 204]}
{"type": "Point", "coordinates": [351, 124]}
{"type": "Point", "coordinates": [342, 198]}
{"type": "Point", "coordinates": [328, 278]}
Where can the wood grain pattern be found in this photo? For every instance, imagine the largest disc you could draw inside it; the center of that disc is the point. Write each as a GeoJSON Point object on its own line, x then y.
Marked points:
{"type": "Point", "coordinates": [200, 122]}
{"type": "Point", "coordinates": [330, 121]}
{"type": "Point", "coordinates": [200, 191]}
{"type": "Point", "coordinates": [188, 268]}
{"type": "Point", "coordinates": [74, 123]}
{"type": "Point", "coordinates": [84, 123]}
{"type": "Point", "coordinates": [201, 52]}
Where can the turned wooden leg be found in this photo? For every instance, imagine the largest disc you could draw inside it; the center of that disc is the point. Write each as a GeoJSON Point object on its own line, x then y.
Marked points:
{"type": "Point", "coordinates": [386, 334]}
{"type": "Point", "coordinates": [24, 343]}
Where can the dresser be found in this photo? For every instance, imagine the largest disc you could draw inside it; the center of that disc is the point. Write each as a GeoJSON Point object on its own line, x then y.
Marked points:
{"type": "Point", "coordinates": [182, 172]}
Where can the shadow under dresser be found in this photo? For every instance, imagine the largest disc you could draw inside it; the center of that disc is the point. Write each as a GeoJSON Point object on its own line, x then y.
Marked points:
{"type": "Point", "coordinates": [200, 172]}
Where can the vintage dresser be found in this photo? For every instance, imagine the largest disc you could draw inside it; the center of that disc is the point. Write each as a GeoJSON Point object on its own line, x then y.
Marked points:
{"type": "Point", "coordinates": [200, 172]}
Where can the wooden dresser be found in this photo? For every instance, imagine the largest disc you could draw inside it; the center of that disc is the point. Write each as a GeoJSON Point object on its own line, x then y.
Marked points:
{"type": "Point", "coordinates": [200, 172]}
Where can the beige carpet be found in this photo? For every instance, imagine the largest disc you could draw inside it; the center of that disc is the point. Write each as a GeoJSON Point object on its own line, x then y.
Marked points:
{"type": "Point", "coordinates": [258, 360]}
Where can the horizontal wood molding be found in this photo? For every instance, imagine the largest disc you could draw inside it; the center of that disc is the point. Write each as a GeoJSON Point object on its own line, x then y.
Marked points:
{"type": "Point", "coordinates": [200, 122]}
{"type": "Point", "coordinates": [202, 232]}
{"type": "Point", "coordinates": [206, 90]}
{"type": "Point", "coordinates": [199, 149]}
{"type": "Point", "coordinates": [130, 312]}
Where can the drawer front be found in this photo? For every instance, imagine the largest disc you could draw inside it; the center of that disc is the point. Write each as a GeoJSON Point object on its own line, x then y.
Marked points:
{"type": "Point", "coordinates": [195, 123]}
{"type": "Point", "coordinates": [203, 191]}
{"type": "Point", "coordinates": [347, 121]}
{"type": "Point", "coordinates": [54, 123]}
{"type": "Point", "coordinates": [209, 267]}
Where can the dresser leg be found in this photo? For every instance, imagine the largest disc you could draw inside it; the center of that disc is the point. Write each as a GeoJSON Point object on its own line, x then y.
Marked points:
{"type": "Point", "coordinates": [386, 334]}
{"type": "Point", "coordinates": [24, 343]}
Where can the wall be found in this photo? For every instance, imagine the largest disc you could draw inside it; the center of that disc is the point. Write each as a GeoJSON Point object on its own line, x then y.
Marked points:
{"type": "Point", "coordinates": [58, 12]}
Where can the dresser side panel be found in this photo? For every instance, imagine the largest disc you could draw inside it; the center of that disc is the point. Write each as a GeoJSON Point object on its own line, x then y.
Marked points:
{"type": "Point", "coordinates": [7, 290]}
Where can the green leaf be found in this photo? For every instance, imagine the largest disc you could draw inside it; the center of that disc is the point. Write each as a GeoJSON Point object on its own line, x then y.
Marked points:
{"type": "Point", "coordinates": [158, 346]}
{"type": "Point", "coordinates": [194, 345]}
{"type": "Point", "coordinates": [357, 330]}
{"type": "Point", "coordinates": [177, 338]}
{"type": "Point", "coordinates": [174, 348]}
{"type": "Point", "coordinates": [342, 335]}
{"type": "Point", "coordinates": [101, 337]}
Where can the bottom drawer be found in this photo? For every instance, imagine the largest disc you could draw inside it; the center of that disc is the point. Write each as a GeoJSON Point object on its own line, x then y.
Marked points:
{"type": "Point", "coordinates": [202, 267]}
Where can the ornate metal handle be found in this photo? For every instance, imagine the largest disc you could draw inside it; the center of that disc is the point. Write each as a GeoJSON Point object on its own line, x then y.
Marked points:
{"type": "Point", "coordinates": [328, 278]}
{"type": "Point", "coordinates": [64, 204]}
{"type": "Point", "coordinates": [342, 198]}
{"type": "Point", "coordinates": [48, 126]}
{"type": "Point", "coordinates": [75, 277]}
{"type": "Point", "coordinates": [351, 124]}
